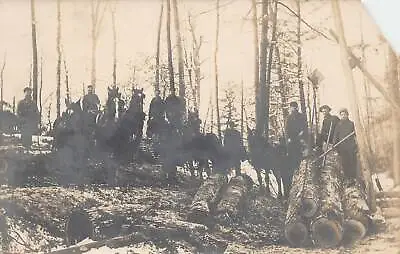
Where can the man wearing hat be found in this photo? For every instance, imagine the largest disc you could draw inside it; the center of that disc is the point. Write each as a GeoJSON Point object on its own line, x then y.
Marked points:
{"type": "Point", "coordinates": [90, 101]}
{"type": "Point", "coordinates": [233, 145]}
{"type": "Point", "coordinates": [29, 116]}
{"type": "Point", "coordinates": [296, 132]}
{"type": "Point", "coordinates": [328, 126]}
{"type": "Point", "coordinates": [347, 150]}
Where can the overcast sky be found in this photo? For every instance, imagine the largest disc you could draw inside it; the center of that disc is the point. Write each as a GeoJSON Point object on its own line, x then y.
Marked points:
{"type": "Point", "coordinates": [136, 31]}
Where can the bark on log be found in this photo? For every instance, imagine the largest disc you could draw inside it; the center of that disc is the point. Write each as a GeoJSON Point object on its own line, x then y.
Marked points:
{"type": "Point", "coordinates": [310, 192]}
{"type": "Point", "coordinates": [206, 198]}
{"type": "Point", "coordinates": [296, 230]}
{"type": "Point", "coordinates": [388, 194]}
{"type": "Point", "coordinates": [326, 226]}
{"type": "Point", "coordinates": [356, 213]}
{"type": "Point", "coordinates": [231, 206]}
{"type": "Point", "coordinates": [392, 202]}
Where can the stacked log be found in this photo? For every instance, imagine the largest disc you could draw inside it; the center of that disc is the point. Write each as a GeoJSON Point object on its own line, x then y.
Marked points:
{"type": "Point", "coordinates": [326, 225]}
{"type": "Point", "coordinates": [296, 230]}
{"type": "Point", "coordinates": [230, 208]}
{"type": "Point", "coordinates": [206, 198]}
{"type": "Point", "coordinates": [356, 215]}
{"type": "Point", "coordinates": [310, 197]}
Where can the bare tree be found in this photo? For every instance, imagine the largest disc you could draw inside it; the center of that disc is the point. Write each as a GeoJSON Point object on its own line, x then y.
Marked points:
{"type": "Point", "coordinates": [96, 17]}
{"type": "Point", "coordinates": [67, 82]}
{"type": "Point", "coordinates": [157, 83]}
{"type": "Point", "coordinates": [394, 90]}
{"type": "Point", "coordinates": [170, 64]}
{"type": "Point", "coordinates": [216, 72]}
{"type": "Point", "coordinates": [260, 118]}
{"type": "Point", "coordinates": [40, 94]}
{"type": "Point", "coordinates": [2, 82]}
{"type": "Point", "coordinates": [256, 60]}
{"type": "Point", "coordinates": [114, 29]}
{"type": "Point", "coordinates": [299, 60]}
{"type": "Point", "coordinates": [59, 55]}
{"type": "Point", "coordinates": [181, 69]}
{"type": "Point", "coordinates": [34, 53]}
{"type": "Point", "coordinates": [197, 42]}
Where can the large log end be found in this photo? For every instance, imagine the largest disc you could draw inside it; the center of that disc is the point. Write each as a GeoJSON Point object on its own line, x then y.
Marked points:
{"type": "Point", "coordinates": [296, 234]}
{"type": "Point", "coordinates": [78, 226]}
{"type": "Point", "coordinates": [353, 231]}
{"type": "Point", "coordinates": [326, 233]}
{"type": "Point", "coordinates": [309, 207]}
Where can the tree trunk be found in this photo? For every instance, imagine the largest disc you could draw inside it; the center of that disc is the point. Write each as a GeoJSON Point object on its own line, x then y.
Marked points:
{"type": "Point", "coordinates": [157, 83]}
{"type": "Point", "coordinates": [365, 156]}
{"type": "Point", "coordinates": [93, 48]}
{"type": "Point", "coordinates": [299, 60]}
{"type": "Point", "coordinates": [196, 59]}
{"type": "Point", "coordinates": [395, 92]}
{"type": "Point", "coordinates": [34, 54]}
{"type": "Point", "coordinates": [282, 85]}
{"type": "Point", "coordinates": [67, 81]}
{"type": "Point", "coordinates": [310, 192]}
{"type": "Point", "coordinates": [58, 90]}
{"type": "Point", "coordinates": [260, 119]}
{"type": "Point", "coordinates": [2, 83]}
{"type": "Point", "coordinates": [231, 206]}
{"type": "Point", "coordinates": [216, 73]}
{"type": "Point", "coordinates": [241, 110]}
{"type": "Point", "coordinates": [356, 214]}
{"type": "Point", "coordinates": [269, 68]}
{"type": "Point", "coordinates": [181, 68]}
{"type": "Point", "coordinates": [40, 94]}
{"type": "Point", "coordinates": [206, 198]}
{"type": "Point", "coordinates": [296, 229]}
{"type": "Point", "coordinates": [170, 64]}
{"type": "Point", "coordinates": [256, 62]}
{"type": "Point", "coordinates": [114, 30]}
{"type": "Point", "coordinates": [326, 226]}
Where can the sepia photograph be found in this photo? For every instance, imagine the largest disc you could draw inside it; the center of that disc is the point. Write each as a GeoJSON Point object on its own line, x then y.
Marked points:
{"type": "Point", "coordinates": [199, 126]}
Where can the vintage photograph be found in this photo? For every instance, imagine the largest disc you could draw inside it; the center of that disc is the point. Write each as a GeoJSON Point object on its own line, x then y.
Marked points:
{"type": "Point", "coordinates": [199, 126]}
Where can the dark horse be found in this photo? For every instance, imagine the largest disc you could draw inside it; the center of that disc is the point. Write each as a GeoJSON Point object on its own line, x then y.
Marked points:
{"type": "Point", "coordinates": [267, 156]}
{"type": "Point", "coordinates": [124, 135]}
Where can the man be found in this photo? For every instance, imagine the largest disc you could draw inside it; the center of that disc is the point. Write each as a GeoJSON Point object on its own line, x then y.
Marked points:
{"type": "Point", "coordinates": [296, 132]}
{"type": "Point", "coordinates": [156, 116]}
{"type": "Point", "coordinates": [174, 107]}
{"type": "Point", "coordinates": [328, 126]}
{"type": "Point", "coordinates": [29, 116]}
{"type": "Point", "coordinates": [233, 145]}
{"type": "Point", "coordinates": [90, 101]}
{"type": "Point", "coordinates": [347, 150]}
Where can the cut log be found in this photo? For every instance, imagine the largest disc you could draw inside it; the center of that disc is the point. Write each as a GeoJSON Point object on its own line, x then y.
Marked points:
{"type": "Point", "coordinates": [230, 208]}
{"type": "Point", "coordinates": [206, 198]}
{"type": "Point", "coordinates": [356, 214]}
{"type": "Point", "coordinates": [326, 226]}
{"type": "Point", "coordinates": [310, 198]}
{"type": "Point", "coordinates": [78, 227]}
{"type": "Point", "coordinates": [296, 230]}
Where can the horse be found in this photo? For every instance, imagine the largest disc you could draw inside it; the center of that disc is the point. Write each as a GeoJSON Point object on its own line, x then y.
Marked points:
{"type": "Point", "coordinates": [267, 156]}
{"type": "Point", "coordinates": [129, 129]}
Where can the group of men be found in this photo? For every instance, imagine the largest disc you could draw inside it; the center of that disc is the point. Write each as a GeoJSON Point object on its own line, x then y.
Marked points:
{"type": "Point", "coordinates": [29, 116]}
{"type": "Point", "coordinates": [337, 133]}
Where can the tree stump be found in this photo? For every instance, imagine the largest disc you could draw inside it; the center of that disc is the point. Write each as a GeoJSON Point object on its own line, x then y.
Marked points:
{"type": "Point", "coordinates": [326, 226]}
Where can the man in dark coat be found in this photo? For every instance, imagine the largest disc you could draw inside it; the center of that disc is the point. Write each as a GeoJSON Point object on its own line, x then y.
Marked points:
{"type": "Point", "coordinates": [233, 146]}
{"type": "Point", "coordinates": [328, 126]}
{"type": "Point", "coordinates": [347, 150]}
{"type": "Point", "coordinates": [297, 133]}
{"type": "Point", "coordinates": [156, 115]}
{"type": "Point", "coordinates": [175, 112]}
{"type": "Point", "coordinates": [28, 114]}
{"type": "Point", "coordinates": [90, 101]}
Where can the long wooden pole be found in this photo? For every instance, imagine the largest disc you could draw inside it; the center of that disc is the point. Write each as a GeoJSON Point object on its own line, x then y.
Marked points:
{"type": "Point", "coordinates": [364, 152]}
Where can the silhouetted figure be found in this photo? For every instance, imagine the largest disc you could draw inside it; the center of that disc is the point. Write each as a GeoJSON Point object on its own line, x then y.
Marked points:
{"type": "Point", "coordinates": [296, 132]}
{"type": "Point", "coordinates": [233, 145]}
{"type": "Point", "coordinates": [348, 149]}
{"type": "Point", "coordinates": [28, 114]}
{"type": "Point", "coordinates": [156, 122]}
{"type": "Point", "coordinates": [175, 112]}
{"type": "Point", "coordinates": [328, 126]}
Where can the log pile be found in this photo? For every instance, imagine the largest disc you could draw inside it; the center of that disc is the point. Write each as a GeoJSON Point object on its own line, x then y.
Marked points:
{"type": "Point", "coordinates": [322, 211]}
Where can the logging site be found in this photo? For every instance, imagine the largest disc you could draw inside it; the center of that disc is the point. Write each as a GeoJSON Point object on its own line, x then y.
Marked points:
{"type": "Point", "coordinates": [189, 126]}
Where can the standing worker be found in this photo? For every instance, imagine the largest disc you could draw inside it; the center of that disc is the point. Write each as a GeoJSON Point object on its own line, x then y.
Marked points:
{"type": "Point", "coordinates": [28, 114]}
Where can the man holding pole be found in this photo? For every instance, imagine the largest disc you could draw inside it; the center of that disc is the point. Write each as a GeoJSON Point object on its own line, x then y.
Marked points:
{"type": "Point", "coordinates": [328, 127]}
{"type": "Point", "coordinates": [347, 149]}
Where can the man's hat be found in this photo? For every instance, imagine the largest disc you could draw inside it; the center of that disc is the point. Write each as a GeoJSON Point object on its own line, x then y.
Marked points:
{"type": "Point", "coordinates": [325, 107]}
{"type": "Point", "coordinates": [293, 104]}
{"type": "Point", "coordinates": [27, 89]}
{"type": "Point", "coordinates": [343, 110]}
